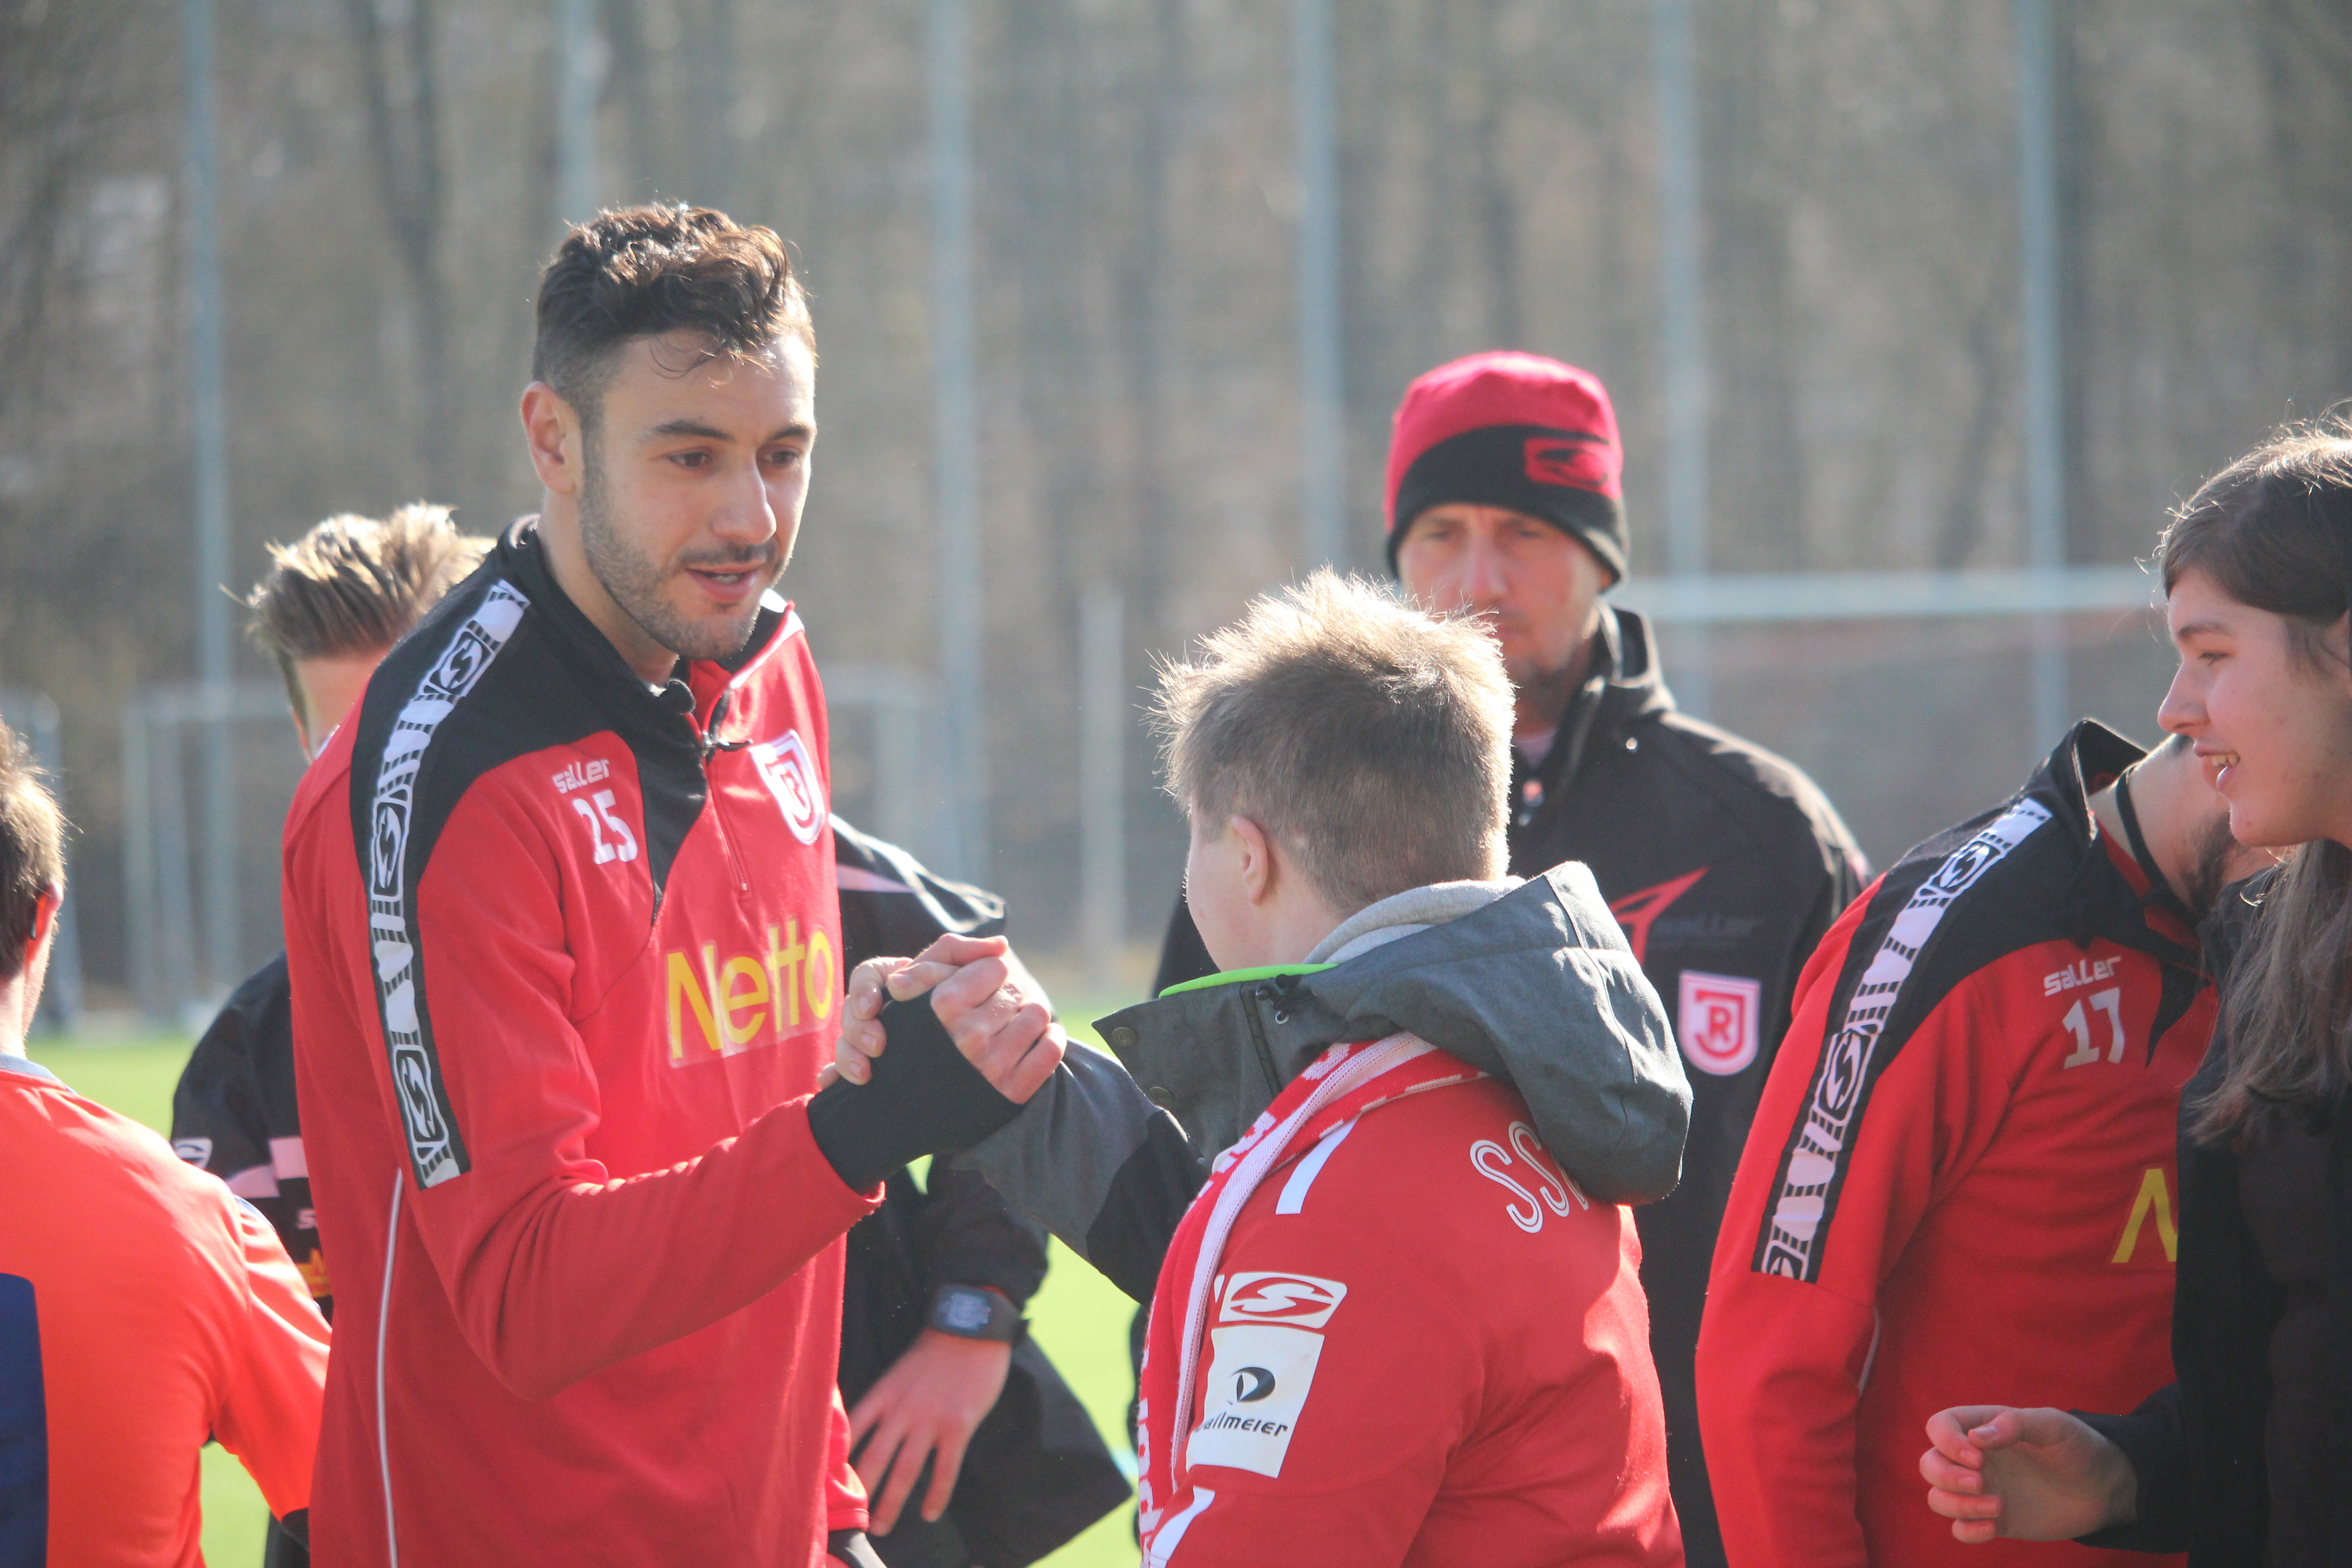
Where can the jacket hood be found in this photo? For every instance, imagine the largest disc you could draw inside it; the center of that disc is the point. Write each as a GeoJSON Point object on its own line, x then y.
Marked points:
{"type": "Point", "coordinates": [2097, 901]}
{"type": "Point", "coordinates": [1535, 985]}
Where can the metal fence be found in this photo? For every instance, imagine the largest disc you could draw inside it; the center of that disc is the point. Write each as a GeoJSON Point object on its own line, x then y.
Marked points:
{"type": "Point", "coordinates": [188, 931]}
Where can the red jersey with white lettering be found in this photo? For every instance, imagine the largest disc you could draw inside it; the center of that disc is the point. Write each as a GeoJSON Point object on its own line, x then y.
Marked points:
{"type": "Point", "coordinates": [1397, 1333]}
{"type": "Point", "coordinates": [1960, 1185]}
{"type": "Point", "coordinates": [565, 956]}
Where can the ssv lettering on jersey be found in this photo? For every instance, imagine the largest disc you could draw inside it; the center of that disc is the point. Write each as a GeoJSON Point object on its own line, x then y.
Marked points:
{"type": "Point", "coordinates": [749, 999]}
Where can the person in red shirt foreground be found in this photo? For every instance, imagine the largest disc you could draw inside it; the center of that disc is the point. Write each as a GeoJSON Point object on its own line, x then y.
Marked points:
{"type": "Point", "coordinates": [2242, 1460]}
{"type": "Point", "coordinates": [1390, 1327]}
{"type": "Point", "coordinates": [1964, 1157]}
{"type": "Point", "coordinates": [565, 939]}
{"type": "Point", "coordinates": [143, 1307]}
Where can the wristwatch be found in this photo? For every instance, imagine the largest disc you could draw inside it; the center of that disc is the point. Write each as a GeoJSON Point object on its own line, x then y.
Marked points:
{"type": "Point", "coordinates": [972, 1312]}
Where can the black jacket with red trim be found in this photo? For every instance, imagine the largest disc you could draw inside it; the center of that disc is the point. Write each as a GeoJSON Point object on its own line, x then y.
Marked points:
{"type": "Point", "coordinates": [1724, 864]}
{"type": "Point", "coordinates": [233, 1114]}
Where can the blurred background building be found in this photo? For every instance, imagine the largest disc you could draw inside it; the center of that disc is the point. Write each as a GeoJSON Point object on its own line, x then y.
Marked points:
{"type": "Point", "coordinates": [1114, 297]}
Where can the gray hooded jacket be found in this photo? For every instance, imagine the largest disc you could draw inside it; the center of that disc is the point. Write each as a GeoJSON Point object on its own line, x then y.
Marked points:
{"type": "Point", "coordinates": [1535, 985]}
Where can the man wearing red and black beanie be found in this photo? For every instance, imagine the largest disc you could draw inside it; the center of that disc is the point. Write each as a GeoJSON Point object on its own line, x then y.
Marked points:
{"type": "Point", "coordinates": [1723, 863]}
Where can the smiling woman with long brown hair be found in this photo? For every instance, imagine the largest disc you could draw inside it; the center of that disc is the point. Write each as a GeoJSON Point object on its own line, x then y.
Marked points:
{"type": "Point", "coordinates": [2247, 1461]}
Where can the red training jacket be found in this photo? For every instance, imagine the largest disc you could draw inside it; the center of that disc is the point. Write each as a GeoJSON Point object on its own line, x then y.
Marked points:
{"type": "Point", "coordinates": [1961, 1185]}
{"type": "Point", "coordinates": [1419, 1343]}
{"type": "Point", "coordinates": [565, 953]}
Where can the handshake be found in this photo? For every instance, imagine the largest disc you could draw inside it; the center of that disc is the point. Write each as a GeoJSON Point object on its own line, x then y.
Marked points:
{"type": "Point", "coordinates": [911, 1076]}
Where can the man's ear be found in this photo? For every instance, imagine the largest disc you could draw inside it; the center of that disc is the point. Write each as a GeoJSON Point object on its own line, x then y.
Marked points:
{"type": "Point", "coordinates": [1257, 857]}
{"type": "Point", "coordinates": [551, 430]}
{"type": "Point", "coordinates": [44, 924]}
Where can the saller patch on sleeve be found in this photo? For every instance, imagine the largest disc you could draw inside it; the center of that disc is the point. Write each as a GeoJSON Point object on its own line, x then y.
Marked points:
{"type": "Point", "coordinates": [1861, 1044]}
{"type": "Point", "coordinates": [433, 1147]}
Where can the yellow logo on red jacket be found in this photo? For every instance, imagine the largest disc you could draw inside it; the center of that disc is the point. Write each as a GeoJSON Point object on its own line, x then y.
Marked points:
{"type": "Point", "coordinates": [739, 1001]}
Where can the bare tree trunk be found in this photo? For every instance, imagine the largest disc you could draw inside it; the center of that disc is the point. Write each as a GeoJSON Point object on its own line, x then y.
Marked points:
{"type": "Point", "coordinates": [400, 80]}
{"type": "Point", "coordinates": [1146, 342]}
{"type": "Point", "coordinates": [1499, 216]}
{"type": "Point", "coordinates": [1962, 523]}
{"type": "Point", "coordinates": [1758, 463]}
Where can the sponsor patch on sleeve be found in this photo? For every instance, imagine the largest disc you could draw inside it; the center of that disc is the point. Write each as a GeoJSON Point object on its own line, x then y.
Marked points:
{"type": "Point", "coordinates": [1255, 1387]}
{"type": "Point", "coordinates": [1298, 1300]}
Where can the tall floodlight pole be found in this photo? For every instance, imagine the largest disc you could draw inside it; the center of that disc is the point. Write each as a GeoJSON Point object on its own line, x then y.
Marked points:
{"type": "Point", "coordinates": [210, 419]}
{"type": "Point", "coordinates": [1682, 328]}
{"type": "Point", "coordinates": [1322, 416]}
{"type": "Point", "coordinates": [956, 455]}
{"type": "Point", "coordinates": [2045, 365]}
{"type": "Point", "coordinates": [579, 65]}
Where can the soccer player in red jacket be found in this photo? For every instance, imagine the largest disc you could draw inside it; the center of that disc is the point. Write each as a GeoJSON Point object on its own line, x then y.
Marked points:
{"type": "Point", "coordinates": [1963, 1167]}
{"type": "Point", "coordinates": [565, 943]}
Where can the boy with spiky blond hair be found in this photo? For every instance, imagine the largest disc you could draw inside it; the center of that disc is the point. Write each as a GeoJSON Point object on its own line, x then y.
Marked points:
{"type": "Point", "coordinates": [1388, 1327]}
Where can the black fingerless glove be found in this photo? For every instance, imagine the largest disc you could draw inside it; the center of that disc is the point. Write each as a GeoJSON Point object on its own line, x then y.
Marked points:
{"type": "Point", "coordinates": [924, 1099]}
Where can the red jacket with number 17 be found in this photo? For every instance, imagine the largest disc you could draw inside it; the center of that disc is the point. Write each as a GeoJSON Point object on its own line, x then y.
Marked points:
{"type": "Point", "coordinates": [1960, 1188]}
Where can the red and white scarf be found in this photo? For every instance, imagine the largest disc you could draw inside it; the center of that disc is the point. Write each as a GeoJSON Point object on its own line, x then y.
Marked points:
{"type": "Point", "coordinates": [1338, 1087]}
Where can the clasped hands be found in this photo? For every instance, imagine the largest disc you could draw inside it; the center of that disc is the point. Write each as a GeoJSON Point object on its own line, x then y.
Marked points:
{"type": "Point", "coordinates": [990, 1005]}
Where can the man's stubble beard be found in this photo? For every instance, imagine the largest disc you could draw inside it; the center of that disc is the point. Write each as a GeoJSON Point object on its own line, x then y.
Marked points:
{"type": "Point", "coordinates": [634, 583]}
{"type": "Point", "coordinates": [1549, 689]}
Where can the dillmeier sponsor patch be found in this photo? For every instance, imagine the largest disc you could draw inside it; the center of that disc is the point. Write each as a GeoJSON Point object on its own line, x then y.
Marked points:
{"type": "Point", "coordinates": [1251, 1395]}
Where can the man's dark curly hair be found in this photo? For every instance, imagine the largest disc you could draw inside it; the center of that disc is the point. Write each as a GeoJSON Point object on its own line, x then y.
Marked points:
{"type": "Point", "coordinates": [644, 271]}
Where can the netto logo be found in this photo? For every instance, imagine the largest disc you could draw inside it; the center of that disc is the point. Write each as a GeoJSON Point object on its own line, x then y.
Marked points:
{"type": "Point", "coordinates": [1301, 1301]}
{"type": "Point", "coordinates": [732, 1001]}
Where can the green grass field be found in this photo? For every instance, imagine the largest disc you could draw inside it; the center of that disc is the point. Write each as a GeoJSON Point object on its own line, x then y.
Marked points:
{"type": "Point", "coordinates": [1080, 1318]}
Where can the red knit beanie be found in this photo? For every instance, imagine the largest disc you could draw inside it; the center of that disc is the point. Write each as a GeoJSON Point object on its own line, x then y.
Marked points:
{"type": "Point", "coordinates": [1511, 430]}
